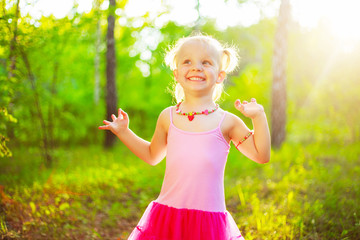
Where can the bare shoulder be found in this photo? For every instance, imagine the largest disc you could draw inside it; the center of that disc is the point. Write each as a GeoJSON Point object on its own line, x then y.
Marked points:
{"type": "Point", "coordinates": [232, 123]}
{"type": "Point", "coordinates": [165, 114]}
{"type": "Point", "coordinates": [231, 120]}
{"type": "Point", "coordinates": [164, 118]}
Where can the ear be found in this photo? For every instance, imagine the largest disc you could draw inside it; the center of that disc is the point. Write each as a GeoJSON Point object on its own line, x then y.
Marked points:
{"type": "Point", "coordinates": [175, 72]}
{"type": "Point", "coordinates": [221, 77]}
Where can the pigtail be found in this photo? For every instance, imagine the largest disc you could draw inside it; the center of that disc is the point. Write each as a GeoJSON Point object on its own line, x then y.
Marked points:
{"type": "Point", "coordinates": [170, 58]}
{"type": "Point", "coordinates": [171, 62]}
{"type": "Point", "coordinates": [230, 59]}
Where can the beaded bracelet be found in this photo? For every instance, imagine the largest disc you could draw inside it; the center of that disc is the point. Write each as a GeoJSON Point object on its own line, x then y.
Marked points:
{"type": "Point", "coordinates": [246, 137]}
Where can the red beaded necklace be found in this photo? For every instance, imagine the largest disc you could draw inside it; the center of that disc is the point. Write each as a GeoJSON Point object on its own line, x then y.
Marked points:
{"type": "Point", "coordinates": [191, 115]}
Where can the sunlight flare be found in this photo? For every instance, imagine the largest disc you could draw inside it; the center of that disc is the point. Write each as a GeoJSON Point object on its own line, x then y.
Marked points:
{"type": "Point", "coordinates": [340, 17]}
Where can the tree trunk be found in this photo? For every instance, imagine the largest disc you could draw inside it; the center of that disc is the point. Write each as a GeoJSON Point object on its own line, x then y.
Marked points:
{"type": "Point", "coordinates": [43, 133]}
{"type": "Point", "coordinates": [51, 112]}
{"type": "Point", "coordinates": [12, 55]}
{"type": "Point", "coordinates": [97, 54]}
{"type": "Point", "coordinates": [278, 109]}
{"type": "Point", "coordinates": [111, 96]}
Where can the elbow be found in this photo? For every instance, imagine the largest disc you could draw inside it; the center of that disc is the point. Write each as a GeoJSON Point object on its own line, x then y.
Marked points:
{"type": "Point", "coordinates": [150, 162]}
{"type": "Point", "coordinates": [153, 162]}
{"type": "Point", "coordinates": [263, 159]}
{"type": "Point", "coordinates": [155, 159]}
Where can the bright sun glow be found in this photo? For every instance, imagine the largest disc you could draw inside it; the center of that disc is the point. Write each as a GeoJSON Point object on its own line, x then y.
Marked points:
{"type": "Point", "coordinates": [341, 17]}
{"type": "Point", "coordinates": [59, 8]}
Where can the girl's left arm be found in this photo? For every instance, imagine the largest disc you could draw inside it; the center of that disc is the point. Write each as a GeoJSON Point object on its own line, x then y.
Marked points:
{"type": "Point", "coordinates": [256, 147]}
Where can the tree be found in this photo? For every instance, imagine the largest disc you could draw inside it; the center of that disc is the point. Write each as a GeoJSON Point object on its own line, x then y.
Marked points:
{"type": "Point", "coordinates": [278, 109]}
{"type": "Point", "coordinates": [97, 52]}
{"type": "Point", "coordinates": [12, 54]}
{"type": "Point", "coordinates": [39, 112]}
{"type": "Point", "coordinates": [111, 95]}
{"type": "Point", "coordinates": [5, 91]}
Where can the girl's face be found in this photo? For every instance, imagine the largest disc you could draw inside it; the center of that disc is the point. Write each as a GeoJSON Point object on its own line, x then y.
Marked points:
{"type": "Point", "coordinates": [198, 67]}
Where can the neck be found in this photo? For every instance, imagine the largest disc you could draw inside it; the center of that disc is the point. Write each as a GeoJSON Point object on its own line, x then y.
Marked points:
{"type": "Point", "coordinates": [192, 103]}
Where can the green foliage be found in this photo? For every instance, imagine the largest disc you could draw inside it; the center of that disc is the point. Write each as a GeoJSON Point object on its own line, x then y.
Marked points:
{"type": "Point", "coordinates": [61, 53]}
{"type": "Point", "coordinates": [91, 194]}
{"type": "Point", "coordinates": [305, 192]}
{"type": "Point", "coordinates": [5, 117]}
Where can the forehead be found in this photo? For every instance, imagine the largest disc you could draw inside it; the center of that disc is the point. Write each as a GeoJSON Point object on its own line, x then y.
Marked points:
{"type": "Point", "coordinates": [200, 48]}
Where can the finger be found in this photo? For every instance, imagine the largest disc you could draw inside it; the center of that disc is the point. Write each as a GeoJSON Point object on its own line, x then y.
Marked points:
{"type": "Point", "coordinates": [120, 116]}
{"type": "Point", "coordinates": [113, 117]}
{"type": "Point", "coordinates": [103, 127]}
{"type": "Point", "coordinates": [245, 102]}
{"type": "Point", "coordinates": [124, 114]}
{"type": "Point", "coordinates": [253, 100]}
{"type": "Point", "coordinates": [242, 108]}
{"type": "Point", "coordinates": [237, 104]}
{"type": "Point", "coordinates": [106, 122]}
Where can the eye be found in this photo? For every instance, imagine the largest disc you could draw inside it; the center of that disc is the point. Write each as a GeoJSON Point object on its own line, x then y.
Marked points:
{"type": "Point", "coordinates": [187, 61]}
{"type": "Point", "coordinates": [207, 62]}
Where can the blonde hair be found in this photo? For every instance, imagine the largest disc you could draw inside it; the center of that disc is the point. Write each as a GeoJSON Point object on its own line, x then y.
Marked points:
{"type": "Point", "coordinates": [228, 61]}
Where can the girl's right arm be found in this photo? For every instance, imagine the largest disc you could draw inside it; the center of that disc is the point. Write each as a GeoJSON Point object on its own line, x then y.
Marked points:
{"type": "Point", "coordinates": [150, 152]}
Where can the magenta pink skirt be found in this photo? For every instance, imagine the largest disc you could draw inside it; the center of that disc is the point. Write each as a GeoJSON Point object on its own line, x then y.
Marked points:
{"type": "Point", "coordinates": [161, 222]}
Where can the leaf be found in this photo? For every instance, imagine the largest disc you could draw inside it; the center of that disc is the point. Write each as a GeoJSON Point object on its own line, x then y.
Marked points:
{"type": "Point", "coordinates": [64, 206]}
{"type": "Point", "coordinates": [241, 195]}
{"type": "Point", "coordinates": [33, 207]}
{"type": "Point", "coordinates": [290, 198]}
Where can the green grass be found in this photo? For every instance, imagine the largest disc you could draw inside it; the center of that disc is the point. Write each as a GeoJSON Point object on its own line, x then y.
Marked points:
{"type": "Point", "coordinates": [305, 192]}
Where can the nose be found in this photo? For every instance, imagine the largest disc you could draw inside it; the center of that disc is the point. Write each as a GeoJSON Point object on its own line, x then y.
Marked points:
{"type": "Point", "coordinates": [197, 67]}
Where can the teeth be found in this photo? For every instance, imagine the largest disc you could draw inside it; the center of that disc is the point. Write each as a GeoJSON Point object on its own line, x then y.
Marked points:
{"type": "Point", "coordinates": [195, 78]}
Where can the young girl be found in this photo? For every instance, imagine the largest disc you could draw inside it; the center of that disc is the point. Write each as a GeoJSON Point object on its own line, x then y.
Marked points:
{"type": "Point", "coordinates": [195, 137]}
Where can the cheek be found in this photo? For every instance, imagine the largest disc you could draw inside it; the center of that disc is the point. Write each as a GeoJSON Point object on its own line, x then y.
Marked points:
{"type": "Point", "coordinates": [183, 70]}
{"type": "Point", "coordinates": [211, 71]}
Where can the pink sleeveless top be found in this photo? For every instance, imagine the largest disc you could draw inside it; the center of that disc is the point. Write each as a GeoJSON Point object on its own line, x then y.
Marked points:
{"type": "Point", "coordinates": [195, 164]}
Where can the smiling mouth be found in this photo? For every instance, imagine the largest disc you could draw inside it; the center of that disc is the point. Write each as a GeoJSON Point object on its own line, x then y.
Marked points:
{"type": "Point", "coordinates": [196, 79]}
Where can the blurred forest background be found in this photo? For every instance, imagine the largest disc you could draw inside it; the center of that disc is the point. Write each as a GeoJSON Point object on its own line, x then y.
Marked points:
{"type": "Point", "coordinates": [61, 179]}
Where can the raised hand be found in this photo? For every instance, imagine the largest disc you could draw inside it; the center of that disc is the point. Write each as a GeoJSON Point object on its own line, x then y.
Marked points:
{"type": "Point", "coordinates": [118, 124]}
{"type": "Point", "coordinates": [250, 110]}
